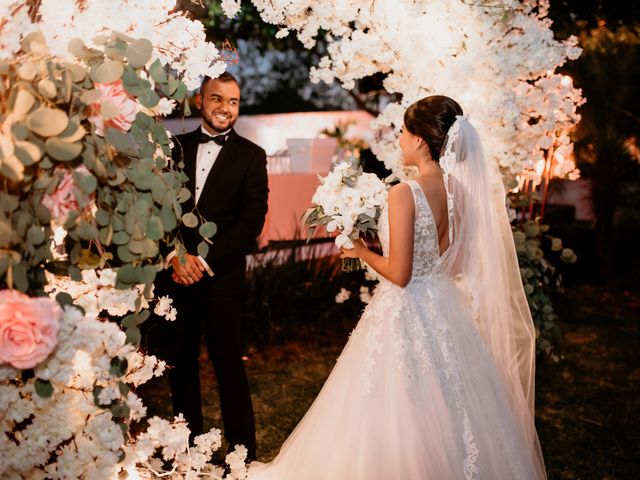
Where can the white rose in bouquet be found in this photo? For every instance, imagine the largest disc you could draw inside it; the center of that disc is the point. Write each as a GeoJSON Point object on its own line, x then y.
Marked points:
{"type": "Point", "coordinates": [348, 201]}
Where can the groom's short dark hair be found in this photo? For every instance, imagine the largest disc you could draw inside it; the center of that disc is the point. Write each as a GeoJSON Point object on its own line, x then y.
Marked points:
{"type": "Point", "coordinates": [224, 77]}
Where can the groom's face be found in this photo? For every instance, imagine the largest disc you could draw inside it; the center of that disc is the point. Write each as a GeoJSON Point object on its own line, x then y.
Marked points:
{"type": "Point", "coordinates": [219, 104]}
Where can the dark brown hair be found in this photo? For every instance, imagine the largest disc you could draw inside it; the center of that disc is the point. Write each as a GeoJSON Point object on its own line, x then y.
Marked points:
{"type": "Point", "coordinates": [224, 77]}
{"type": "Point", "coordinates": [430, 119]}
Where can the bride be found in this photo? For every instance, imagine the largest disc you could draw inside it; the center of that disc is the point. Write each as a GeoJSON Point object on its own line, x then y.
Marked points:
{"type": "Point", "coordinates": [436, 381]}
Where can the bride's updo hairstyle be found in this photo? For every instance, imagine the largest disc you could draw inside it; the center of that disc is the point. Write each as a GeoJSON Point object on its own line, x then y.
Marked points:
{"type": "Point", "coordinates": [430, 119]}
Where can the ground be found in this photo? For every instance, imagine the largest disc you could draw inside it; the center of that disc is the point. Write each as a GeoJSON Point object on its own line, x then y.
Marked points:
{"type": "Point", "coordinates": [587, 404]}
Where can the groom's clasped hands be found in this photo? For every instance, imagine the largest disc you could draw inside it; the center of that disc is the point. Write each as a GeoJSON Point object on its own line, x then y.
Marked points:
{"type": "Point", "coordinates": [189, 272]}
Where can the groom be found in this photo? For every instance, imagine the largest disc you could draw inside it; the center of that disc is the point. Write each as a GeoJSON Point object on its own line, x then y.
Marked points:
{"type": "Point", "coordinates": [228, 184]}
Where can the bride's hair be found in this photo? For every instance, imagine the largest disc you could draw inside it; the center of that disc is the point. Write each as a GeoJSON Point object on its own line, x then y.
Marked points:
{"type": "Point", "coordinates": [430, 119]}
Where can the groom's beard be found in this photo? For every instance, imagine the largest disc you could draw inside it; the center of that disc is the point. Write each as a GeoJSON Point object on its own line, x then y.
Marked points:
{"type": "Point", "coordinates": [207, 120]}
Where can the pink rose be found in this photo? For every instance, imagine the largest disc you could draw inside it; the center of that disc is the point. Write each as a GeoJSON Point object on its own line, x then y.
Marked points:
{"type": "Point", "coordinates": [63, 200]}
{"type": "Point", "coordinates": [118, 98]}
{"type": "Point", "coordinates": [28, 328]}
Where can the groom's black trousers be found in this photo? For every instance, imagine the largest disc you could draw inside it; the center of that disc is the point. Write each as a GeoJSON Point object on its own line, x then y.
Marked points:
{"type": "Point", "coordinates": [213, 306]}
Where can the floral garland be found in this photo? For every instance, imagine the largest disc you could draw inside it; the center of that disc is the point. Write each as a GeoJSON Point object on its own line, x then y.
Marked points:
{"type": "Point", "coordinates": [496, 57]}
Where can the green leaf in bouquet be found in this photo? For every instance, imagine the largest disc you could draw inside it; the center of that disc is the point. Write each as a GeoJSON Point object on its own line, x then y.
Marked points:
{"type": "Point", "coordinates": [184, 194]}
{"type": "Point", "coordinates": [123, 142]}
{"type": "Point", "coordinates": [76, 47]}
{"type": "Point", "coordinates": [180, 92]}
{"type": "Point", "coordinates": [19, 131]}
{"type": "Point", "coordinates": [119, 178]}
{"type": "Point", "coordinates": [47, 122]}
{"type": "Point", "coordinates": [125, 255]}
{"type": "Point", "coordinates": [168, 217]}
{"type": "Point", "coordinates": [42, 213]}
{"type": "Point", "coordinates": [171, 86]}
{"type": "Point", "coordinates": [143, 180]}
{"type": "Point", "coordinates": [28, 153]}
{"type": "Point", "coordinates": [86, 182]}
{"type": "Point", "coordinates": [86, 231]}
{"type": "Point", "coordinates": [190, 220]}
{"type": "Point", "coordinates": [156, 70]}
{"type": "Point", "coordinates": [116, 51]}
{"type": "Point", "coordinates": [43, 388]}
{"type": "Point", "coordinates": [108, 110]}
{"type": "Point", "coordinates": [203, 249]}
{"type": "Point", "coordinates": [74, 273]}
{"type": "Point", "coordinates": [47, 88]}
{"type": "Point", "coordinates": [8, 203]}
{"type": "Point", "coordinates": [158, 189]}
{"type": "Point", "coordinates": [108, 72]}
{"type": "Point", "coordinates": [102, 217]}
{"type": "Point", "coordinates": [118, 366]}
{"type": "Point", "coordinates": [27, 71]}
{"type": "Point", "coordinates": [22, 104]}
{"type": "Point", "coordinates": [141, 207]}
{"type": "Point", "coordinates": [139, 52]}
{"type": "Point", "coordinates": [130, 77]}
{"type": "Point", "coordinates": [155, 230]}
{"type": "Point", "coordinates": [208, 229]}
{"type": "Point", "coordinates": [149, 98]}
{"type": "Point", "coordinates": [105, 235]}
{"type": "Point", "coordinates": [12, 168]}
{"type": "Point", "coordinates": [89, 97]}
{"type": "Point", "coordinates": [149, 249]}
{"type": "Point", "coordinates": [35, 235]}
{"type": "Point", "coordinates": [133, 335]}
{"type": "Point", "coordinates": [5, 232]}
{"type": "Point", "coordinates": [61, 150]}
{"type": "Point", "coordinates": [64, 299]}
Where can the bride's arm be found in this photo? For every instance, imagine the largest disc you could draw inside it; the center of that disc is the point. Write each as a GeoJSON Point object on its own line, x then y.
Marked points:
{"type": "Point", "coordinates": [397, 266]}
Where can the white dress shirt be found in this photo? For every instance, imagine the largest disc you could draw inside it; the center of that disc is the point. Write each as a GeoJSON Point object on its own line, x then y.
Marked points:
{"type": "Point", "coordinates": [206, 157]}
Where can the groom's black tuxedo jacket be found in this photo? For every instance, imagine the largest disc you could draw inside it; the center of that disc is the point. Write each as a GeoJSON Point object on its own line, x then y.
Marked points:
{"type": "Point", "coordinates": [234, 197]}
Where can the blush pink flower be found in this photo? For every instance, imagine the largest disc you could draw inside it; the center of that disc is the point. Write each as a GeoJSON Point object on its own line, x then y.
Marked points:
{"type": "Point", "coordinates": [121, 111]}
{"type": "Point", "coordinates": [63, 200]}
{"type": "Point", "coordinates": [28, 328]}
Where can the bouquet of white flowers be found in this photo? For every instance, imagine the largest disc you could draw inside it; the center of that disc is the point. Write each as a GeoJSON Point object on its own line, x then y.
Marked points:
{"type": "Point", "coordinates": [349, 201]}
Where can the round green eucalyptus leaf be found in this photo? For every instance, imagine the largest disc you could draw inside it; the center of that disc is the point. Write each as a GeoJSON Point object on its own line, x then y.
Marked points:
{"type": "Point", "coordinates": [28, 153]}
{"type": "Point", "coordinates": [208, 229]}
{"type": "Point", "coordinates": [19, 131]}
{"type": "Point", "coordinates": [73, 132]}
{"type": "Point", "coordinates": [190, 220]}
{"type": "Point", "coordinates": [87, 183]}
{"type": "Point", "coordinates": [130, 77]}
{"type": "Point", "coordinates": [47, 122]}
{"type": "Point", "coordinates": [203, 249]}
{"type": "Point", "coordinates": [121, 238]}
{"type": "Point", "coordinates": [149, 98]}
{"type": "Point", "coordinates": [102, 217]}
{"type": "Point", "coordinates": [108, 72]}
{"type": "Point", "coordinates": [47, 88]}
{"type": "Point", "coordinates": [139, 52]}
{"type": "Point", "coordinates": [89, 97]}
{"type": "Point", "coordinates": [6, 147]}
{"type": "Point", "coordinates": [125, 255]}
{"type": "Point", "coordinates": [12, 168]}
{"type": "Point", "coordinates": [35, 235]}
{"type": "Point", "coordinates": [61, 150]}
{"type": "Point", "coordinates": [27, 71]}
{"type": "Point", "coordinates": [76, 47]}
{"type": "Point", "coordinates": [109, 109]}
{"type": "Point", "coordinates": [23, 102]}
{"type": "Point", "coordinates": [155, 230]}
{"type": "Point", "coordinates": [168, 217]}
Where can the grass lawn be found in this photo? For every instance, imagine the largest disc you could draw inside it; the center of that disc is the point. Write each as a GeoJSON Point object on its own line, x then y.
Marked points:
{"type": "Point", "coordinates": [587, 404]}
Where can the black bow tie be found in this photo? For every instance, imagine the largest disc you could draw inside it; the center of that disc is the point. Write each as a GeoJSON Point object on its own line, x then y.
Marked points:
{"type": "Point", "coordinates": [219, 139]}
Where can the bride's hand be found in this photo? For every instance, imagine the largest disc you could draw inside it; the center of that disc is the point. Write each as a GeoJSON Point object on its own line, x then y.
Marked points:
{"type": "Point", "coordinates": [357, 251]}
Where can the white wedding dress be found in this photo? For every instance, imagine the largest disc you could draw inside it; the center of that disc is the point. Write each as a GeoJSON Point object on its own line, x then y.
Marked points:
{"type": "Point", "coordinates": [415, 394]}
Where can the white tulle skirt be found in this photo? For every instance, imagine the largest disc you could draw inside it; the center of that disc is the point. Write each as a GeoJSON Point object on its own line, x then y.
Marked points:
{"type": "Point", "coordinates": [414, 396]}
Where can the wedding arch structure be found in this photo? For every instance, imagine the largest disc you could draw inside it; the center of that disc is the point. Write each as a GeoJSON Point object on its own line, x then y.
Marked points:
{"type": "Point", "coordinates": [69, 403]}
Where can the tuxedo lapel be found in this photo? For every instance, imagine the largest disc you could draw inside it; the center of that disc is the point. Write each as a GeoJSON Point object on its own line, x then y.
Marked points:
{"type": "Point", "coordinates": [190, 151]}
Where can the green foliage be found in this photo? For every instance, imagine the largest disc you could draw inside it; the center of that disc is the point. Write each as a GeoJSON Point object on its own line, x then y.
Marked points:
{"type": "Point", "coordinates": [58, 125]}
{"type": "Point", "coordinates": [292, 291]}
{"type": "Point", "coordinates": [540, 278]}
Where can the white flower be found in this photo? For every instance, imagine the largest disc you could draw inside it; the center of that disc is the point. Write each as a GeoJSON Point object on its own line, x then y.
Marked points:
{"type": "Point", "coordinates": [365, 295]}
{"type": "Point", "coordinates": [343, 295]}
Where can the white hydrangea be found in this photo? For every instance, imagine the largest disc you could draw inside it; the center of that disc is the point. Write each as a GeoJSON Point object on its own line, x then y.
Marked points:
{"type": "Point", "coordinates": [498, 61]}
